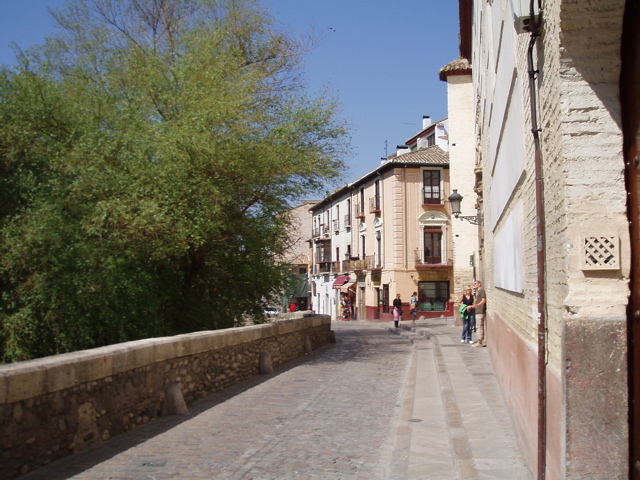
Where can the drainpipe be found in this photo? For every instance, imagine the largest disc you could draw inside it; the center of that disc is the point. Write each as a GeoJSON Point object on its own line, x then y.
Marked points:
{"type": "Point", "coordinates": [541, 250]}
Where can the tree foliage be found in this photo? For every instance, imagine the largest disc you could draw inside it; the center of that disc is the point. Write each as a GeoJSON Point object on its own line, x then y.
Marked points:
{"type": "Point", "coordinates": [149, 152]}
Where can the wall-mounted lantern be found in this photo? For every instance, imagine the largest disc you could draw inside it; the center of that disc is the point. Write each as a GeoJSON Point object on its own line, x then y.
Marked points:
{"type": "Point", "coordinates": [454, 200]}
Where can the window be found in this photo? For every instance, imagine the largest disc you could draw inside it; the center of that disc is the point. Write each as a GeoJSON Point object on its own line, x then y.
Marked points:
{"type": "Point", "coordinates": [433, 296]}
{"type": "Point", "coordinates": [432, 246]}
{"type": "Point", "coordinates": [431, 186]}
{"type": "Point", "coordinates": [431, 140]}
{"type": "Point", "coordinates": [374, 202]}
{"type": "Point", "coordinates": [323, 252]}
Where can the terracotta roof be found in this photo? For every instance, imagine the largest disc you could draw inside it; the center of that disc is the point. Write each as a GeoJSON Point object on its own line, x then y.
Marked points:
{"type": "Point", "coordinates": [433, 155]}
{"type": "Point", "coordinates": [457, 67]}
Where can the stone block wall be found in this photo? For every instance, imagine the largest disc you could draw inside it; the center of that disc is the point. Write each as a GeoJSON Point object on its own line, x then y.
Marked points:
{"type": "Point", "coordinates": [60, 405]}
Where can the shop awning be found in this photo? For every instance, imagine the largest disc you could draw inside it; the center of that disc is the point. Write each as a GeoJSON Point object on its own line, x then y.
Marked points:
{"type": "Point", "coordinates": [340, 281]}
{"type": "Point", "coordinates": [348, 287]}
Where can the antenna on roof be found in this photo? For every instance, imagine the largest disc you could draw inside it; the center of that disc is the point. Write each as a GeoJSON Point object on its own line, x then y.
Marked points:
{"type": "Point", "coordinates": [386, 148]}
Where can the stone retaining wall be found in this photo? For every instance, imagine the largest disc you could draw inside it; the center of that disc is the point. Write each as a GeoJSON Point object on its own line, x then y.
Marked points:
{"type": "Point", "coordinates": [60, 405]}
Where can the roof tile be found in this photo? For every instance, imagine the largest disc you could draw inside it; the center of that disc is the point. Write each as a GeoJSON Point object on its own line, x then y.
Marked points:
{"type": "Point", "coordinates": [457, 67]}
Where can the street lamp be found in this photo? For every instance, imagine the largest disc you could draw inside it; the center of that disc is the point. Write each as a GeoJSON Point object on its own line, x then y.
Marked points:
{"type": "Point", "coordinates": [454, 200]}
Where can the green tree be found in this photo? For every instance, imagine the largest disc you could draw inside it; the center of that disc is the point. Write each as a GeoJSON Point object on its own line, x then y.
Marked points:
{"type": "Point", "coordinates": [148, 154]}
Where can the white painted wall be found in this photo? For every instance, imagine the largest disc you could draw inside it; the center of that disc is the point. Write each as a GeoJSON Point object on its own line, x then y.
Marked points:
{"type": "Point", "coordinates": [462, 178]}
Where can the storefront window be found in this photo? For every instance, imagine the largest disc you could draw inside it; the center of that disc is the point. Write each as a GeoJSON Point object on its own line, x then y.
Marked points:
{"type": "Point", "coordinates": [433, 296]}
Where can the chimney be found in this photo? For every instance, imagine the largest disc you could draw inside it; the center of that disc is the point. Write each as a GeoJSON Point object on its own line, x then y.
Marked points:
{"type": "Point", "coordinates": [426, 121]}
{"type": "Point", "coordinates": [402, 149]}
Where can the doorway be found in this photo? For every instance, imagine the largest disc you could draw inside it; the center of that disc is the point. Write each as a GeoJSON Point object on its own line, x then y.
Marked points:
{"type": "Point", "coordinates": [361, 311]}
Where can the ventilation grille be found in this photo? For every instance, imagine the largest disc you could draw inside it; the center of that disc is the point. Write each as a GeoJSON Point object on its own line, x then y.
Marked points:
{"type": "Point", "coordinates": [600, 252]}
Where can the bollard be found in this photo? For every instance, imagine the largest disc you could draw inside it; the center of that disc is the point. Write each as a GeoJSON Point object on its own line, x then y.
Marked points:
{"type": "Point", "coordinates": [175, 401]}
{"type": "Point", "coordinates": [266, 367]}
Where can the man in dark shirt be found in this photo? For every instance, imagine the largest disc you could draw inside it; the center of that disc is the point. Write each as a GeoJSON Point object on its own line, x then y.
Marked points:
{"type": "Point", "coordinates": [479, 306]}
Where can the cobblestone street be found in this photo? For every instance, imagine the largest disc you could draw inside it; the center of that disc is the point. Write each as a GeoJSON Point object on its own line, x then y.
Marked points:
{"type": "Point", "coordinates": [332, 415]}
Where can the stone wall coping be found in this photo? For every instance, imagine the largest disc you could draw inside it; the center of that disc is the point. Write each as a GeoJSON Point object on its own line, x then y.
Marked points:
{"type": "Point", "coordinates": [28, 379]}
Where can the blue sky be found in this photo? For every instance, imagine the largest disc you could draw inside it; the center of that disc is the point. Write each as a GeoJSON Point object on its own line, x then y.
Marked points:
{"type": "Point", "coordinates": [380, 57]}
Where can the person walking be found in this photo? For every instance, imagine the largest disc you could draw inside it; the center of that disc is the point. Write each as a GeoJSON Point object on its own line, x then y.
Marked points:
{"type": "Point", "coordinates": [465, 315]}
{"type": "Point", "coordinates": [345, 308]}
{"type": "Point", "coordinates": [397, 310]}
{"type": "Point", "coordinates": [413, 306]}
{"type": "Point", "coordinates": [480, 307]}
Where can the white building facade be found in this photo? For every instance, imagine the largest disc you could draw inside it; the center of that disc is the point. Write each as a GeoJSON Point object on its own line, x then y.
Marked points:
{"type": "Point", "coordinates": [463, 173]}
{"type": "Point", "coordinates": [556, 242]}
{"type": "Point", "coordinates": [331, 249]}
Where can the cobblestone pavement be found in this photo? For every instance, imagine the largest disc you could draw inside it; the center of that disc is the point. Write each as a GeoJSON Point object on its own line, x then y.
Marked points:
{"type": "Point", "coordinates": [380, 404]}
{"type": "Point", "coordinates": [333, 415]}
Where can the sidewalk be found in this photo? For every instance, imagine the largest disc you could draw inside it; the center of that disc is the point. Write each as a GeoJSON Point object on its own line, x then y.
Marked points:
{"type": "Point", "coordinates": [461, 429]}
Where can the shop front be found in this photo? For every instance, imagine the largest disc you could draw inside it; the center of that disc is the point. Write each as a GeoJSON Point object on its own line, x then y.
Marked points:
{"type": "Point", "coordinates": [434, 293]}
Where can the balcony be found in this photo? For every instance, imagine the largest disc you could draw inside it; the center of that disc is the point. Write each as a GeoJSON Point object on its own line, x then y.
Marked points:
{"type": "Point", "coordinates": [422, 260]}
{"type": "Point", "coordinates": [345, 266]}
{"type": "Point", "coordinates": [428, 199]}
{"type": "Point", "coordinates": [328, 267]}
{"type": "Point", "coordinates": [374, 262]}
{"type": "Point", "coordinates": [320, 232]}
{"type": "Point", "coordinates": [359, 210]}
{"type": "Point", "coordinates": [336, 226]}
{"type": "Point", "coordinates": [322, 267]}
{"type": "Point", "coordinates": [347, 221]}
{"type": "Point", "coordinates": [374, 204]}
{"type": "Point", "coordinates": [358, 265]}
